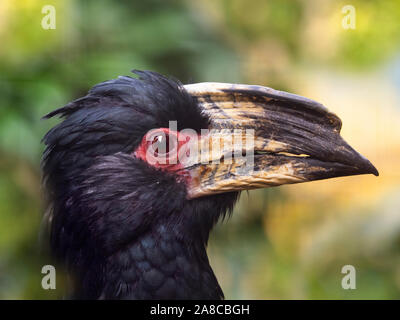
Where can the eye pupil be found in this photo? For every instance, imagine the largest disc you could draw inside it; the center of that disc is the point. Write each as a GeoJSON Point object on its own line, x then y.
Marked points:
{"type": "Point", "coordinates": [161, 144]}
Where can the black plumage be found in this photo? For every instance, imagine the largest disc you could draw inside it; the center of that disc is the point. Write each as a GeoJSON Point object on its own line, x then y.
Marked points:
{"type": "Point", "coordinates": [124, 228]}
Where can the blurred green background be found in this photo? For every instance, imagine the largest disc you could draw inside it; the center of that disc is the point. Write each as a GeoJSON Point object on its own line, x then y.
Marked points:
{"type": "Point", "coordinates": [281, 243]}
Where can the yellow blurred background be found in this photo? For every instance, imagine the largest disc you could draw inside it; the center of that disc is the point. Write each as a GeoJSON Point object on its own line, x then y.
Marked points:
{"type": "Point", "coordinates": [289, 242]}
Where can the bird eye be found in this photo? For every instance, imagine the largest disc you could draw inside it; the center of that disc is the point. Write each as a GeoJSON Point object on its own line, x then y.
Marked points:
{"type": "Point", "coordinates": [159, 147]}
{"type": "Point", "coordinates": [163, 144]}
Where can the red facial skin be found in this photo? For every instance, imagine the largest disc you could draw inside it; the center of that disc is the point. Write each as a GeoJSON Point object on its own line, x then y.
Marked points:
{"type": "Point", "coordinates": [168, 161]}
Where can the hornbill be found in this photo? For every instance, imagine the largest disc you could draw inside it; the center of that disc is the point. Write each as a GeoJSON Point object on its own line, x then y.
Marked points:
{"type": "Point", "coordinates": [130, 228]}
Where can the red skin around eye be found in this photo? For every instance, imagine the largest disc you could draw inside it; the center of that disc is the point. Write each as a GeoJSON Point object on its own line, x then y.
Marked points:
{"type": "Point", "coordinates": [175, 167]}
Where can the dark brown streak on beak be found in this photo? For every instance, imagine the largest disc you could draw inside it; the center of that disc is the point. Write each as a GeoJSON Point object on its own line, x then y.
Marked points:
{"type": "Point", "coordinates": [304, 125]}
{"type": "Point", "coordinates": [296, 139]}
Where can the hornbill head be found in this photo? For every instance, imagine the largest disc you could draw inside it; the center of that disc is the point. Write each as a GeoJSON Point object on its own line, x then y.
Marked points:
{"type": "Point", "coordinates": [140, 170]}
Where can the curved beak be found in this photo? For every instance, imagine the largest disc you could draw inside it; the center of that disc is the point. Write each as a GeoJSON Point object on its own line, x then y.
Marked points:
{"type": "Point", "coordinates": [260, 137]}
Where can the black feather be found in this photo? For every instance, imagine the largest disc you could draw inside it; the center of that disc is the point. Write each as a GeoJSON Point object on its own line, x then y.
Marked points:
{"type": "Point", "coordinates": [125, 229]}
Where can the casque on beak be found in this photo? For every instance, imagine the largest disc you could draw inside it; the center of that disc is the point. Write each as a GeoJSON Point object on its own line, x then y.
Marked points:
{"type": "Point", "coordinates": [294, 139]}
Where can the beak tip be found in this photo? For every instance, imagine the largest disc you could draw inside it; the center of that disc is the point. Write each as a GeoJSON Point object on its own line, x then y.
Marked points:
{"type": "Point", "coordinates": [375, 172]}
{"type": "Point", "coordinates": [370, 168]}
{"type": "Point", "coordinates": [363, 164]}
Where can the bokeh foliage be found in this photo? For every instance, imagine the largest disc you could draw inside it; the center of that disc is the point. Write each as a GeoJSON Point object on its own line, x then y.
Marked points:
{"type": "Point", "coordinates": [264, 42]}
